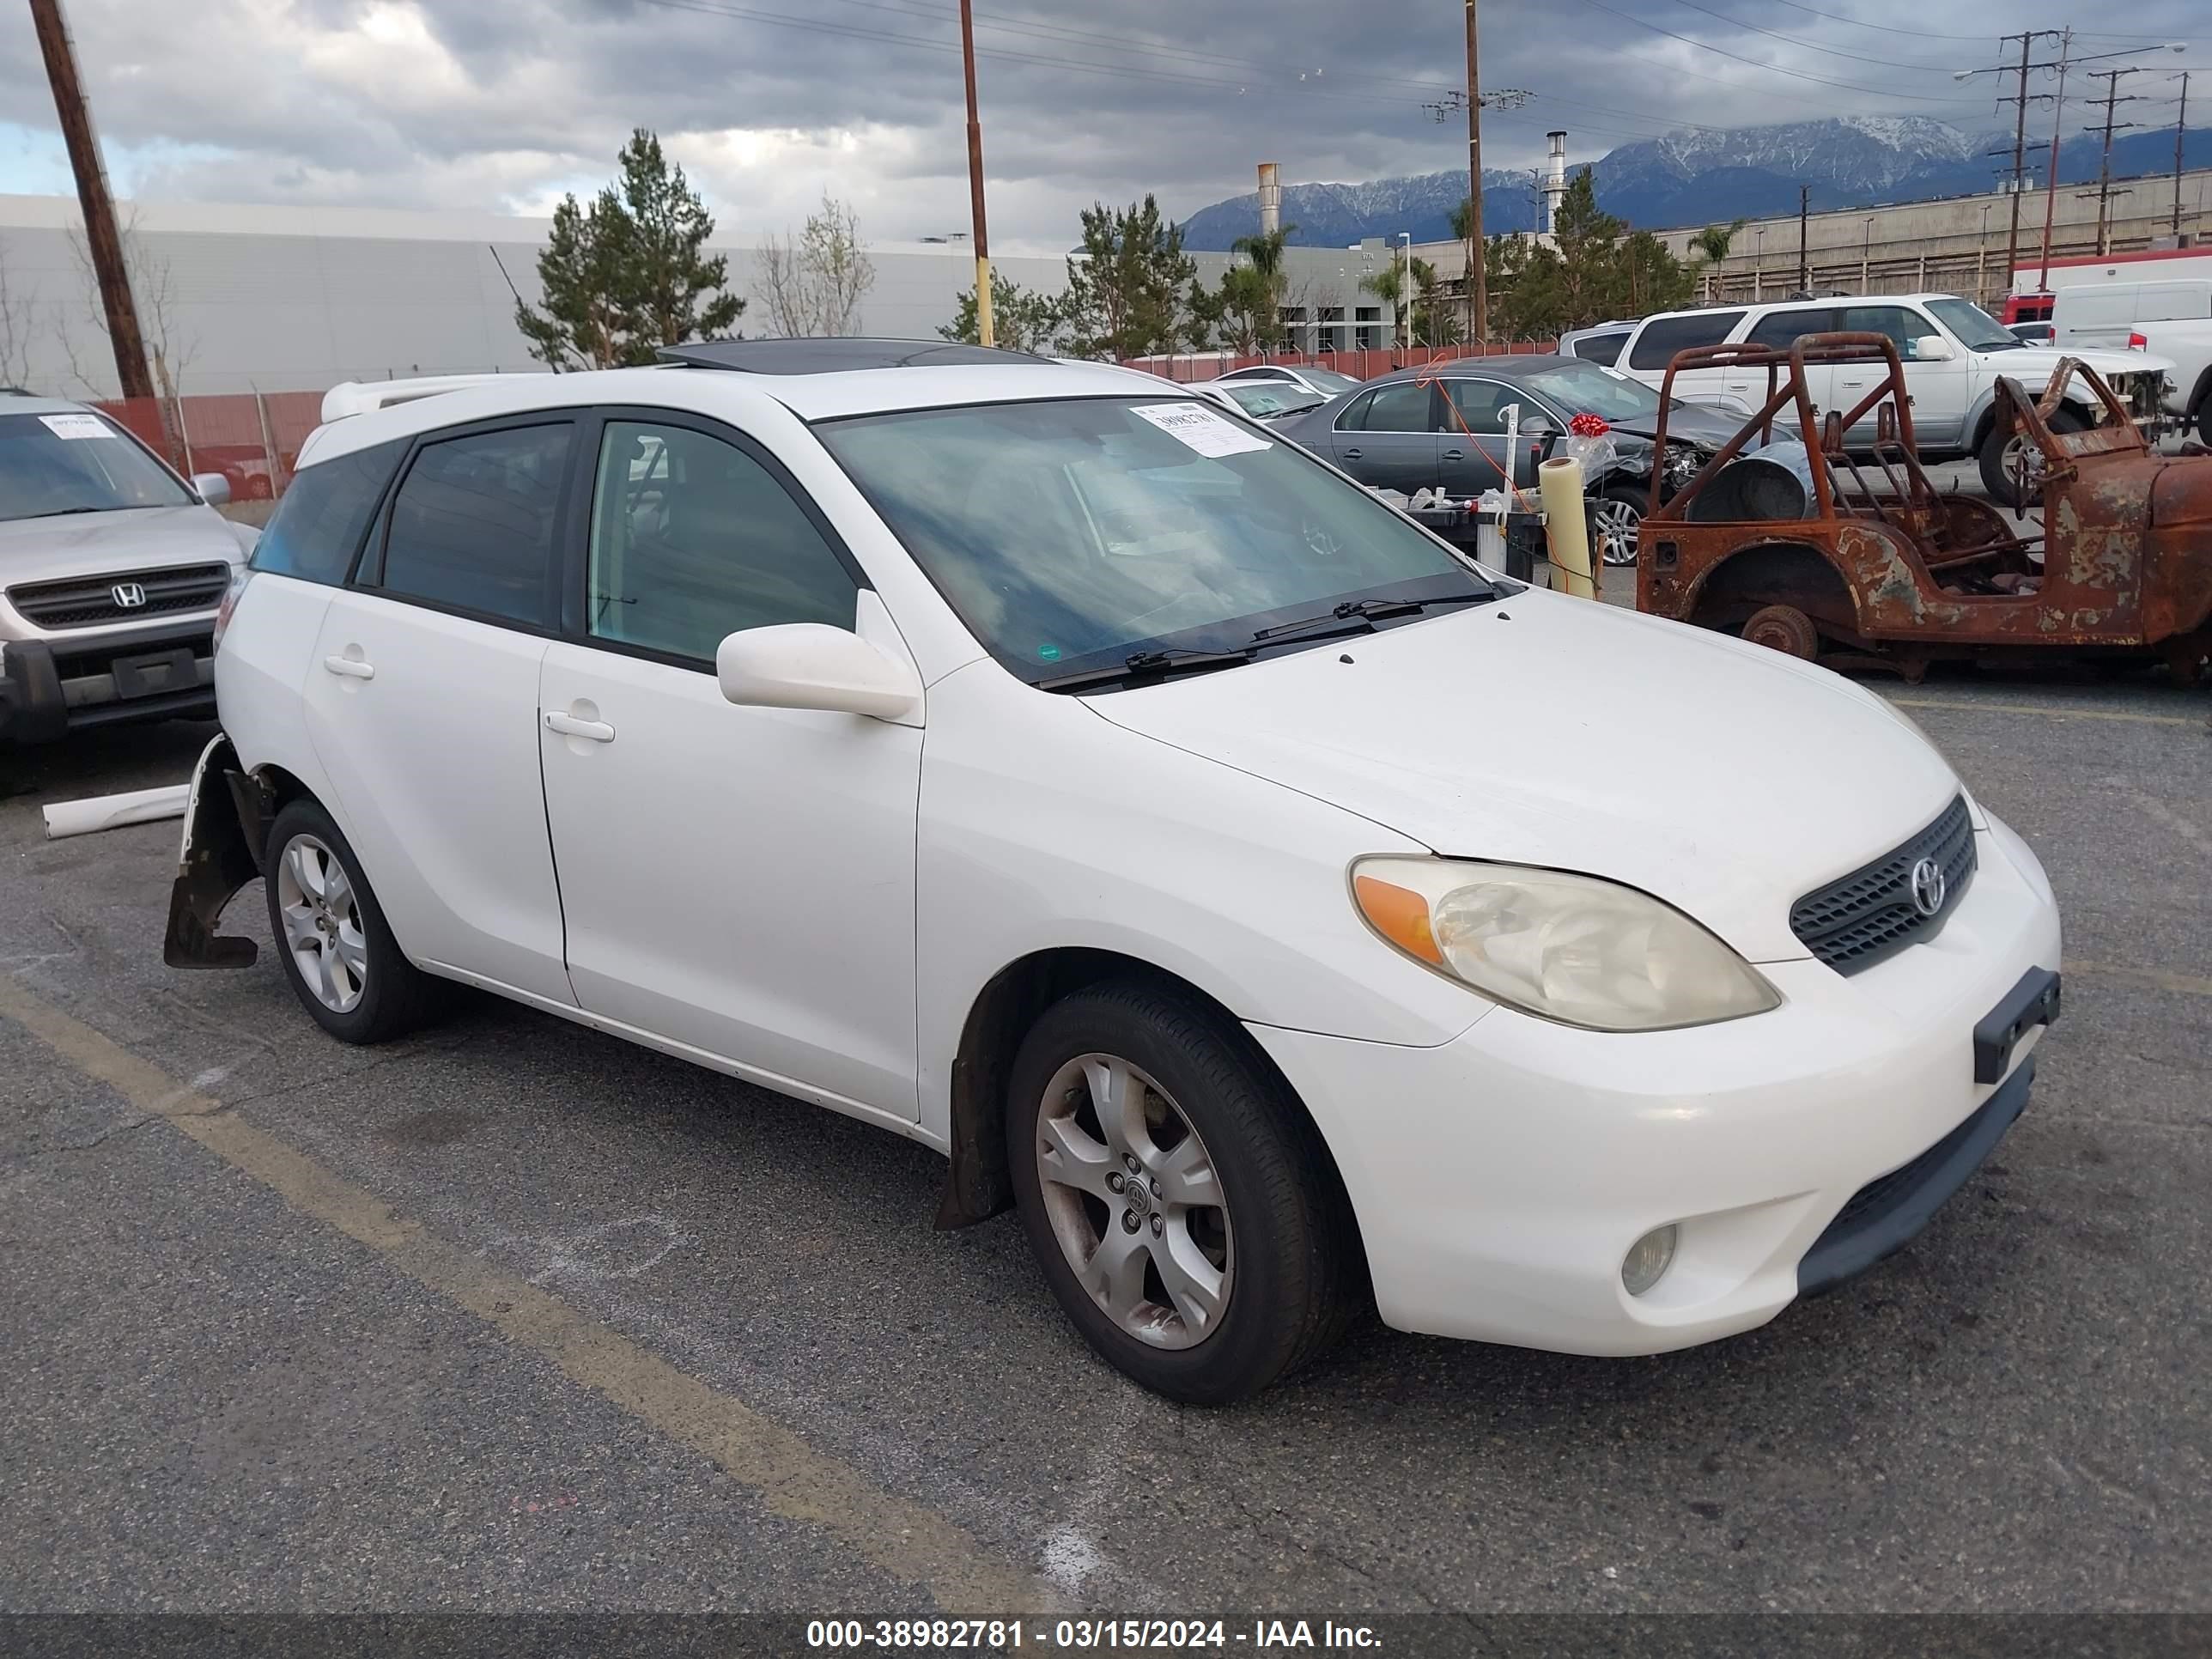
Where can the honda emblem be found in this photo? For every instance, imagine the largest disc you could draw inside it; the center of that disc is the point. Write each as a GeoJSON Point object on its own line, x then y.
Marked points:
{"type": "Point", "coordinates": [128, 596]}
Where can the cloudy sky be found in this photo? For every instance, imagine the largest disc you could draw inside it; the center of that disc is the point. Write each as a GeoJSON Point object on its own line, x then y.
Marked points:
{"type": "Point", "coordinates": [505, 104]}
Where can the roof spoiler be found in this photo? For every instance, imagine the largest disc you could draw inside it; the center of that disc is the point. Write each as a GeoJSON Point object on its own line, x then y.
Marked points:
{"type": "Point", "coordinates": [365, 396]}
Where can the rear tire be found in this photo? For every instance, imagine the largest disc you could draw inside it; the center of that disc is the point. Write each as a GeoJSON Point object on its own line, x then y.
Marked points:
{"type": "Point", "coordinates": [1996, 478]}
{"type": "Point", "coordinates": [1786, 629]}
{"type": "Point", "coordinates": [338, 952]}
{"type": "Point", "coordinates": [1134, 1102]}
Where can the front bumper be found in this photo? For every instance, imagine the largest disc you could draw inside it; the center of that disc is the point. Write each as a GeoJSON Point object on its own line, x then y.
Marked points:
{"type": "Point", "coordinates": [51, 687]}
{"type": "Point", "coordinates": [1500, 1178]}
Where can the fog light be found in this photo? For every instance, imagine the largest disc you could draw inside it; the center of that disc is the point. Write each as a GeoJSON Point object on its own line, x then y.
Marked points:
{"type": "Point", "coordinates": [1647, 1259]}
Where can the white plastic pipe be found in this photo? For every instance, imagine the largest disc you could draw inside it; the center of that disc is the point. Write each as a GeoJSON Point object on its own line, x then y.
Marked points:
{"type": "Point", "coordinates": [85, 817]}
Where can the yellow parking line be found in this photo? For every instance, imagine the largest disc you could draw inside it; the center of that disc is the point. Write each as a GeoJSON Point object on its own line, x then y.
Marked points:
{"type": "Point", "coordinates": [794, 1480]}
{"type": "Point", "coordinates": [2049, 711]}
{"type": "Point", "coordinates": [2158, 979]}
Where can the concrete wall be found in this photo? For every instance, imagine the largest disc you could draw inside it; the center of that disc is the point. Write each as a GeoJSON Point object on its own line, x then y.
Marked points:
{"type": "Point", "coordinates": [1957, 245]}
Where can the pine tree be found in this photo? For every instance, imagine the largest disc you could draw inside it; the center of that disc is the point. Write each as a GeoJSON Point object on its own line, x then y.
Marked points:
{"type": "Point", "coordinates": [1022, 318]}
{"type": "Point", "coordinates": [1126, 289]}
{"type": "Point", "coordinates": [627, 276]}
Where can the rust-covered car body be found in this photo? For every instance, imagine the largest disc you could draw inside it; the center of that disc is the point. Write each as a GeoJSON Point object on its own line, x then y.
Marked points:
{"type": "Point", "coordinates": [1879, 567]}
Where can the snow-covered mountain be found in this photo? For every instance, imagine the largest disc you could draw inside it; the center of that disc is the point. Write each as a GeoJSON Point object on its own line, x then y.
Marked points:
{"type": "Point", "coordinates": [1695, 178]}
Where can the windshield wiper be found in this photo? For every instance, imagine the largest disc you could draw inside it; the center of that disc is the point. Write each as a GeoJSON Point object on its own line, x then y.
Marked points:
{"type": "Point", "coordinates": [63, 512]}
{"type": "Point", "coordinates": [1145, 665]}
{"type": "Point", "coordinates": [1360, 616]}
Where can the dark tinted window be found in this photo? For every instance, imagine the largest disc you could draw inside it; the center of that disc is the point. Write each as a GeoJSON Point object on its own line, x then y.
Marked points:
{"type": "Point", "coordinates": [1401, 406]}
{"type": "Point", "coordinates": [1780, 328]}
{"type": "Point", "coordinates": [318, 527]}
{"type": "Point", "coordinates": [1600, 348]}
{"type": "Point", "coordinates": [1479, 402]}
{"type": "Point", "coordinates": [1901, 326]}
{"type": "Point", "coordinates": [693, 539]}
{"type": "Point", "coordinates": [1663, 336]}
{"type": "Point", "coordinates": [473, 524]}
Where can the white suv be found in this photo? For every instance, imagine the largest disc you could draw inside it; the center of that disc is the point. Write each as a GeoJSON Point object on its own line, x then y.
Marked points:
{"type": "Point", "coordinates": [1952, 350]}
{"type": "Point", "coordinates": [1088, 784]}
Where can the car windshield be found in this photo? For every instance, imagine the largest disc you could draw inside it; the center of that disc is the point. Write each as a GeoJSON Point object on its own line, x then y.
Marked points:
{"type": "Point", "coordinates": [1977, 330]}
{"type": "Point", "coordinates": [1258, 398]}
{"type": "Point", "coordinates": [1329, 381]}
{"type": "Point", "coordinates": [1073, 534]}
{"type": "Point", "coordinates": [74, 461]}
{"type": "Point", "coordinates": [1586, 388]}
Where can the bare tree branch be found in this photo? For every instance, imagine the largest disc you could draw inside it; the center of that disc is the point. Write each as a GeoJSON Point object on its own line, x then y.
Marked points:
{"type": "Point", "coordinates": [812, 285]}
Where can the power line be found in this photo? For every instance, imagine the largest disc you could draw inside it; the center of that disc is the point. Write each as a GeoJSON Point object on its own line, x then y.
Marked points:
{"type": "Point", "coordinates": [1772, 68]}
{"type": "Point", "coordinates": [1813, 45]}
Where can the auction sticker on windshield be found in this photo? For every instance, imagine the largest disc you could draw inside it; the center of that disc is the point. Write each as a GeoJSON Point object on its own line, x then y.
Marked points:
{"type": "Point", "coordinates": [1200, 427]}
{"type": "Point", "coordinates": [76, 426]}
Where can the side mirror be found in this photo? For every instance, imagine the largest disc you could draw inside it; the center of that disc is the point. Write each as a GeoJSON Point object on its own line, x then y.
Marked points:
{"type": "Point", "coordinates": [213, 487]}
{"type": "Point", "coordinates": [814, 666]}
{"type": "Point", "coordinates": [1929, 349]}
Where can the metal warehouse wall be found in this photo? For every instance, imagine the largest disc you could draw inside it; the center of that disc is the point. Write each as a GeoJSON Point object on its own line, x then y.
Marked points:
{"type": "Point", "coordinates": [297, 299]}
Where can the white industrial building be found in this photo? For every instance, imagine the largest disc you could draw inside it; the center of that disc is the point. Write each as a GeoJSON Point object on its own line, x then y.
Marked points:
{"type": "Point", "coordinates": [283, 298]}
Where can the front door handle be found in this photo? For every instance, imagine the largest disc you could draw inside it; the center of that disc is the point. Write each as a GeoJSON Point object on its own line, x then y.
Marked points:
{"type": "Point", "coordinates": [351, 668]}
{"type": "Point", "coordinates": [1455, 455]}
{"type": "Point", "coordinates": [569, 726]}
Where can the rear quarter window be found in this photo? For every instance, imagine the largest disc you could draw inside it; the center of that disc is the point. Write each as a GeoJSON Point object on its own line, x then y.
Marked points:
{"type": "Point", "coordinates": [1663, 336]}
{"type": "Point", "coordinates": [318, 524]}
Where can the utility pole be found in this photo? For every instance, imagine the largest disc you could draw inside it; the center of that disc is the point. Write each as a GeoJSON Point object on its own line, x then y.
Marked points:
{"type": "Point", "coordinates": [1804, 268]}
{"type": "Point", "coordinates": [2110, 77]}
{"type": "Point", "coordinates": [975, 178]}
{"type": "Point", "coordinates": [101, 238]}
{"type": "Point", "coordinates": [2180, 131]}
{"type": "Point", "coordinates": [1478, 287]}
{"type": "Point", "coordinates": [2019, 100]}
{"type": "Point", "coordinates": [2050, 178]}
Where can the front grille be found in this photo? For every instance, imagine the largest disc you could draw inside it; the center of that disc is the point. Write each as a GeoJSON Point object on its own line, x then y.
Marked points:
{"type": "Point", "coordinates": [1854, 923]}
{"type": "Point", "coordinates": [87, 601]}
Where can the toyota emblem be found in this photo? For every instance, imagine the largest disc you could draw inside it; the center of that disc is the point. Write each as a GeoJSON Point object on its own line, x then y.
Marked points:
{"type": "Point", "coordinates": [128, 596]}
{"type": "Point", "coordinates": [1927, 887]}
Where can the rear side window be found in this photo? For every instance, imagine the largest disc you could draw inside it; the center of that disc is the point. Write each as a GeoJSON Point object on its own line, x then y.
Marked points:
{"type": "Point", "coordinates": [474, 523]}
{"type": "Point", "coordinates": [1600, 348]}
{"type": "Point", "coordinates": [318, 527]}
{"type": "Point", "coordinates": [1663, 336]}
{"type": "Point", "coordinates": [1403, 406]}
{"type": "Point", "coordinates": [1781, 329]}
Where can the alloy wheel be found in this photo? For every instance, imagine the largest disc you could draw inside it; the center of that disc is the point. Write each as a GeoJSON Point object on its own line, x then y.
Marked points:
{"type": "Point", "coordinates": [1134, 1201]}
{"type": "Point", "coordinates": [322, 923]}
{"type": "Point", "coordinates": [1617, 524]}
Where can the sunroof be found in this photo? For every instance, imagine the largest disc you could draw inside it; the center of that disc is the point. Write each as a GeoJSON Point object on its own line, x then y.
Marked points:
{"type": "Point", "coordinates": [830, 356]}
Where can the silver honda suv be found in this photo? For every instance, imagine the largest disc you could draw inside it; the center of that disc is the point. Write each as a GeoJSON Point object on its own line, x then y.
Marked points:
{"type": "Point", "coordinates": [111, 570]}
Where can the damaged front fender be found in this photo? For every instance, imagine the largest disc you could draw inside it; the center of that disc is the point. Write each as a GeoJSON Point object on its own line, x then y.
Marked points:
{"type": "Point", "coordinates": [226, 827]}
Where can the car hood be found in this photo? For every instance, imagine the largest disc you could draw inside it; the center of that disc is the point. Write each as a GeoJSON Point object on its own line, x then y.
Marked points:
{"type": "Point", "coordinates": [1724, 778]}
{"type": "Point", "coordinates": [2037, 363]}
{"type": "Point", "coordinates": [1695, 422]}
{"type": "Point", "coordinates": [131, 538]}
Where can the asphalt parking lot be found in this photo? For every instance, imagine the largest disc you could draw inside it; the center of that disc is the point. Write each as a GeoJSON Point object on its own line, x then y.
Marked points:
{"type": "Point", "coordinates": [512, 1315]}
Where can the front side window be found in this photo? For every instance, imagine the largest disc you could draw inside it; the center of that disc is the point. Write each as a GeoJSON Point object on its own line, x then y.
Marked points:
{"type": "Point", "coordinates": [474, 523]}
{"type": "Point", "coordinates": [1977, 330]}
{"type": "Point", "coordinates": [319, 526]}
{"type": "Point", "coordinates": [1480, 404]}
{"type": "Point", "coordinates": [76, 461]}
{"type": "Point", "coordinates": [692, 539]}
{"type": "Point", "coordinates": [1663, 336]}
{"type": "Point", "coordinates": [1071, 534]}
{"type": "Point", "coordinates": [1600, 347]}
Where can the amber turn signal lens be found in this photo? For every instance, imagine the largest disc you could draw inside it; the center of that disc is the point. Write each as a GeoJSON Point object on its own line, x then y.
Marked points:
{"type": "Point", "coordinates": [1400, 915]}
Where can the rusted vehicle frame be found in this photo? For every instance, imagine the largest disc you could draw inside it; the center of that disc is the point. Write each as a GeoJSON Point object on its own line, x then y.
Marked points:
{"type": "Point", "coordinates": [1906, 575]}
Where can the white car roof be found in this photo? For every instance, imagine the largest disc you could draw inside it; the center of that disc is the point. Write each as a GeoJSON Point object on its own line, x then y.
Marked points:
{"type": "Point", "coordinates": [963, 375]}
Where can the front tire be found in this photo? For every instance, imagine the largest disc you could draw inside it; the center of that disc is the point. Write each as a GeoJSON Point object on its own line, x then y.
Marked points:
{"type": "Point", "coordinates": [338, 952]}
{"type": "Point", "coordinates": [1996, 461]}
{"type": "Point", "coordinates": [1619, 514]}
{"type": "Point", "coordinates": [1176, 1197]}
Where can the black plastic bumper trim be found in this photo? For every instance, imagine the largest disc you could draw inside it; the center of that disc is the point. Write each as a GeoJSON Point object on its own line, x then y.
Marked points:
{"type": "Point", "coordinates": [1885, 1214]}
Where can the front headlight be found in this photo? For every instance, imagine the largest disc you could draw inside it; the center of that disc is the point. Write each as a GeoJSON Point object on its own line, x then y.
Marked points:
{"type": "Point", "coordinates": [1570, 948]}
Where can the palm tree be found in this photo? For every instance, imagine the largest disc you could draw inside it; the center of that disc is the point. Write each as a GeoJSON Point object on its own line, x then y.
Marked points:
{"type": "Point", "coordinates": [1712, 242]}
{"type": "Point", "coordinates": [1266, 253]}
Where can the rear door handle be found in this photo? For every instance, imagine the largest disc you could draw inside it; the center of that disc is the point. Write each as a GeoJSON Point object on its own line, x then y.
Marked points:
{"type": "Point", "coordinates": [352, 668]}
{"type": "Point", "coordinates": [1349, 454]}
{"type": "Point", "coordinates": [569, 726]}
